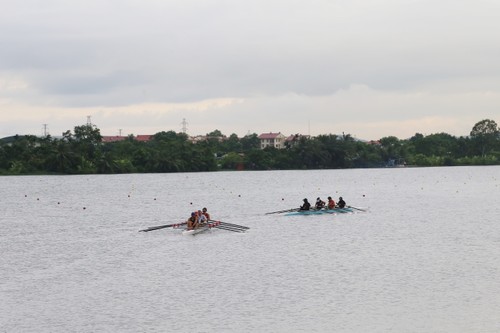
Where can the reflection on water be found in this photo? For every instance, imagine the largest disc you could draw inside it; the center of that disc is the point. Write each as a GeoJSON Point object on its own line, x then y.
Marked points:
{"type": "Point", "coordinates": [424, 258]}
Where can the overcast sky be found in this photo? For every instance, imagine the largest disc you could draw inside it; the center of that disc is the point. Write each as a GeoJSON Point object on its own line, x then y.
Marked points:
{"type": "Point", "coordinates": [370, 68]}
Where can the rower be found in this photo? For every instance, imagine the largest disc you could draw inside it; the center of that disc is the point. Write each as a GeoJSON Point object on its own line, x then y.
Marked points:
{"type": "Point", "coordinates": [204, 211]}
{"type": "Point", "coordinates": [192, 221]}
{"type": "Point", "coordinates": [319, 203]}
{"type": "Point", "coordinates": [202, 219]}
{"type": "Point", "coordinates": [306, 205]}
{"type": "Point", "coordinates": [331, 203]}
{"type": "Point", "coordinates": [341, 203]}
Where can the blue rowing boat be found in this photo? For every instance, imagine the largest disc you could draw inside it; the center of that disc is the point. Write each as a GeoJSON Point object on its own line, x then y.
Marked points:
{"type": "Point", "coordinates": [321, 211]}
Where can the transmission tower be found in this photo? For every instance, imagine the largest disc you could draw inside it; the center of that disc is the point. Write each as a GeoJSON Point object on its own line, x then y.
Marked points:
{"type": "Point", "coordinates": [45, 130]}
{"type": "Point", "coordinates": [184, 125]}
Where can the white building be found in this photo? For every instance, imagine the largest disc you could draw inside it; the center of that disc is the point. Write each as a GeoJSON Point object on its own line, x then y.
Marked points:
{"type": "Point", "coordinates": [276, 140]}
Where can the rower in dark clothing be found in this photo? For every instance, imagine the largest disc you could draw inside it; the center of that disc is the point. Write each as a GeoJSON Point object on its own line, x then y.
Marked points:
{"type": "Point", "coordinates": [341, 203]}
{"type": "Point", "coordinates": [305, 206]}
{"type": "Point", "coordinates": [320, 204]}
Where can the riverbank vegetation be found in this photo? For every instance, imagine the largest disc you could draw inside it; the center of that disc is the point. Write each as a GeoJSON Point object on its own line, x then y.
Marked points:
{"type": "Point", "coordinates": [82, 152]}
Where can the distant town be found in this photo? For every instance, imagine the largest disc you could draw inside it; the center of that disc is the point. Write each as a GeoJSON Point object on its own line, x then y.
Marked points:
{"type": "Point", "coordinates": [85, 150]}
{"type": "Point", "coordinates": [271, 139]}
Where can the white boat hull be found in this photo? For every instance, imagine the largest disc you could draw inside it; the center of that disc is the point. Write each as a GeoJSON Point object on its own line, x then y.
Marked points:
{"type": "Point", "coordinates": [194, 231]}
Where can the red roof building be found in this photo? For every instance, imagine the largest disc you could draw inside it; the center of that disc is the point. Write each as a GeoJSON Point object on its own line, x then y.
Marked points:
{"type": "Point", "coordinates": [276, 140]}
{"type": "Point", "coordinates": [293, 139]}
{"type": "Point", "coordinates": [143, 138]}
{"type": "Point", "coordinates": [113, 138]}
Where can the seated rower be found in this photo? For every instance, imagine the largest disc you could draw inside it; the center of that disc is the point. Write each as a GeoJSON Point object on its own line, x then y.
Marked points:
{"type": "Point", "coordinates": [192, 221]}
{"type": "Point", "coordinates": [305, 206]}
{"type": "Point", "coordinates": [207, 215]}
{"type": "Point", "coordinates": [202, 219]}
{"type": "Point", "coordinates": [331, 203]}
{"type": "Point", "coordinates": [320, 204]}
{"type": "Point", "coordinates": [341, 203]}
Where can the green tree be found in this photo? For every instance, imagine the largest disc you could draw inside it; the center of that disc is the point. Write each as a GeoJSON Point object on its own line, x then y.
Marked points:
{"type": "Point", "coordinates": [485, 135]}
{"type": "Point", "coordinates": [231, 161]}
{"type": "Point", "coordinates": [250, 141]}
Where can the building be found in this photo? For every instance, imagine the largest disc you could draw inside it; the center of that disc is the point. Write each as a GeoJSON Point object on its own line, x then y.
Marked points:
{"type": "Point", "coordinates": [114, 138]}
{"type": "Point", "coordinates": [203, 138]}
{"type": "Point", "coordinates": [276, 140]}
{"type": "Point", "coordinates": [294, 139]}
{"type": "Point", "coordinates": [144, 137]}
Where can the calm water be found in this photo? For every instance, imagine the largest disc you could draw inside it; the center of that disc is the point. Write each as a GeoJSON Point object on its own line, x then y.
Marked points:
{"type": "Point", "coordinates": [424, 258]}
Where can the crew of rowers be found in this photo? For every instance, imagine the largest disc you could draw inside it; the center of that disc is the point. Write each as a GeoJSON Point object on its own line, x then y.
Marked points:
{"type": "Point", "coordinates": [198, 219]}
{"type": "Point", "coordinates": [320, 204]}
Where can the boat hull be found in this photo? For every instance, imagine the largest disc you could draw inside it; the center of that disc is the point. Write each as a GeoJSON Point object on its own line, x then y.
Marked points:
{"type": "Point", "coordinates": [321, 211]}
{"type": "Point", "coordinates": [195, 231]}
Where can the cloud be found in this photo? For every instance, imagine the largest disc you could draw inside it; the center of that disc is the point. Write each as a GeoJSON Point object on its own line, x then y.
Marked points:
{"type": "Point", "coordinates": [365, 67]}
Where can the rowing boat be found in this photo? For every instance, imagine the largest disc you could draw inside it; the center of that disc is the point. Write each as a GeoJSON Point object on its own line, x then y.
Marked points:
{"type": "Point", "coordinates": [321, 211]}
{"type": "Point", "coordinates": [201, 228]}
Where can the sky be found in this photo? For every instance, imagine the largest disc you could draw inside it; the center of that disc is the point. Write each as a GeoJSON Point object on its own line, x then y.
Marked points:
{"type": "Point", "coordinates": [371, 68]}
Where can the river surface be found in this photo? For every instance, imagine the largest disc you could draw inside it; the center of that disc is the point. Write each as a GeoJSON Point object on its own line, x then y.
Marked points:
{"type": "Point", "coordinates": [424, 257]}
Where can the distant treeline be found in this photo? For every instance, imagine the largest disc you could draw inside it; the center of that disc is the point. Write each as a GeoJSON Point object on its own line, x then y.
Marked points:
{"type": "Point", "coordinates": [82, 152]}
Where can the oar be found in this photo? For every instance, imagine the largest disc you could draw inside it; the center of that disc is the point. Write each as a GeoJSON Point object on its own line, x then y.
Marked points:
{"type": "Point", "coordinates": [162, 226]}
{"type": "Point", "coordinates": [363, 210]}
{"type": "Point", "coordinates": [284, 211]}
{"type": "Point", "coordinates": [222, 227]}
{"type": "Point", "coordinates": [236, 226]}
{"type": "Point", "coordinates": [229, 224]}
